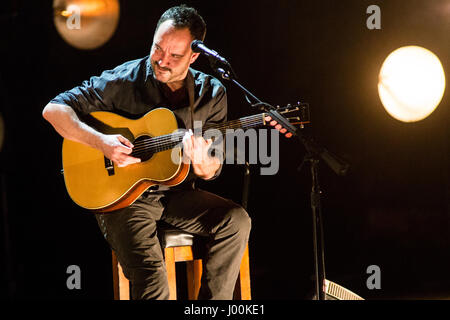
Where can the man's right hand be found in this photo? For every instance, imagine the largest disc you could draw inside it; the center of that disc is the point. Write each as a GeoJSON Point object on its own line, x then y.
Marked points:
{"type": "Point", "coordinates": [118, 149]}
{"type": "Point", "coordinates": [66, 122]}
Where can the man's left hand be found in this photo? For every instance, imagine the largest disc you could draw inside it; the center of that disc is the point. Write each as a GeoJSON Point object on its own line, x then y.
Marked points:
{"type": "Point", "coordinates": [195, 150]}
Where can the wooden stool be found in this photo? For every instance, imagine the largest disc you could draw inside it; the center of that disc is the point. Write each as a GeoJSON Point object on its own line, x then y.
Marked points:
{"type": "Point", "coordinates": [180, 246]}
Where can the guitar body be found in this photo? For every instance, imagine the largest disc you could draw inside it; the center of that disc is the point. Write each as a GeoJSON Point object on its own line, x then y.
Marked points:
{"type": "Point", "coordinates": [94, 183]}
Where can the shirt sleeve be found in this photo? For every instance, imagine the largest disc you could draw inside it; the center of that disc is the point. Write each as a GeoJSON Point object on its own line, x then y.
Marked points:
{"type": "Point", "coordinates": [95, 94]}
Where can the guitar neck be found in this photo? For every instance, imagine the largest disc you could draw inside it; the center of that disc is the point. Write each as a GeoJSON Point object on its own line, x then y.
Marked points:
{"type": "Point", "coordinates": [169, 141]}
{"type": "Point", "coordinates": [245, 123]}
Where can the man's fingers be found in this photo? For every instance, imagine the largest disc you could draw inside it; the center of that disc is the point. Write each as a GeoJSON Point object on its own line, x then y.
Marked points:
{"type": "Point", "coordinates": [125, 141]}
{"type": "Point", "coordinates": [187, 146]}
{"type": "Point", "coordinates": [188, 142]}
{"type": "Point", "coordinates": [127, 160]}
{"type": "Point", "coordinates": [125, 145]}
{"type": "Point", "coordinates": [125, 149]}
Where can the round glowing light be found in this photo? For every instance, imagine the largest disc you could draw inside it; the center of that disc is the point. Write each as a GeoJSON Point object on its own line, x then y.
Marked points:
{"type": "Point", "coordinates": [86, 24]}
{"type": "Point", "coordinates": [411, 83]}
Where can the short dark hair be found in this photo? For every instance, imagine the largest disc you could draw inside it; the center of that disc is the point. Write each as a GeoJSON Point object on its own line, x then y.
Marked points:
{"type": "Point", "coordinates": [183, 16]}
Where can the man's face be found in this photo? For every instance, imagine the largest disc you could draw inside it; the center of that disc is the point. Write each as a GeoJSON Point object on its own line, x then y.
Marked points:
{"type": "Point", "coordinates": [171, 53]}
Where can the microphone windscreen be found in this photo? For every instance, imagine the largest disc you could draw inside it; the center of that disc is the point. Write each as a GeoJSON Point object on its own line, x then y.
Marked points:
{"type": "Point", "coordinates": [195, 44]}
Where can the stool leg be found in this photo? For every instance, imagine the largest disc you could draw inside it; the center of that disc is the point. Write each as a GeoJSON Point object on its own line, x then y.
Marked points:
{"type": "Point", "coordinates": [194, 271]}
{"type": "Point", "coordinates": [121, 284]}
{"type": "Point", "coordinates": [242, 289]}
{"type": "Point", "coordinates": [169, 254]}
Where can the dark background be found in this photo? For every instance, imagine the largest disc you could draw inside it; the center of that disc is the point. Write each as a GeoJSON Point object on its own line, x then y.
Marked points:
{"type": "Point", "coordinates": [391, 209]}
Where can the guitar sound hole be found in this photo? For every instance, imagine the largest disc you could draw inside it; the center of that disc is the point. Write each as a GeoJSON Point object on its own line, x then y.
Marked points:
{"type": "Point", "coordinates": [143, 148]}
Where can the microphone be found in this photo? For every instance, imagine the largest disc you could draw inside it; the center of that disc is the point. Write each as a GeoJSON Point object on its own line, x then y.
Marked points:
{"type": "Point", "coordinates": [199, 47]}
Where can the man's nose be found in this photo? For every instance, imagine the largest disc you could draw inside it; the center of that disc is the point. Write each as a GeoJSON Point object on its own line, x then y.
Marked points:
{"type": "Point", "coordinates": [163, 61]}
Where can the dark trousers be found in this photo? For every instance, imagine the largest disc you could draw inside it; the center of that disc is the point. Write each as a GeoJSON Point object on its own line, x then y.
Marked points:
{"type": "Point", "coordinates": [132, 234]}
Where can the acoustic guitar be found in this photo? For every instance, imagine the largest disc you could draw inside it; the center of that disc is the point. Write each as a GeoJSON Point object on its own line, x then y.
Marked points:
{"type": "Point", "coordinates": [95, 183]}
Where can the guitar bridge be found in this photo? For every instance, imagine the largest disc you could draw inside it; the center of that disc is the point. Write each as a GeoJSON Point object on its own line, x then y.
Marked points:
{"type": "Point", "coordinates": [109, 166]}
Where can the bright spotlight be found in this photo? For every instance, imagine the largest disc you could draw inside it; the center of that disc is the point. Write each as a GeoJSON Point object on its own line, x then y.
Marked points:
{"type": "Point", "coordinates": [411, 83]}
{"type": "Point", "coordinates": [86, 24]}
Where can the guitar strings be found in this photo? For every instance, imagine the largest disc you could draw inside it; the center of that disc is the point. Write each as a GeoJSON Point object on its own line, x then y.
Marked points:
{"type": "Point", "coordinates": [172, 136]}
{"type": "Point", "coordinates": [155, 147]}
{"type": "Point", "coordinates": [175, 138]}
{"type": "Point", "coordinates": [165, 143]}
{"type": "Point", "coordinates": [178, 136]}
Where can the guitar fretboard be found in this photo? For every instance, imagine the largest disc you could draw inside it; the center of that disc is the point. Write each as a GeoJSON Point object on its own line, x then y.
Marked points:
{"type": "Point", "coordinates": [150, 145]}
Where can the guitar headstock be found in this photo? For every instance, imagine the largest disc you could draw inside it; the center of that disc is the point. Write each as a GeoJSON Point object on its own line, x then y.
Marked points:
{"type": "Point", "coordinates": [285, 119]}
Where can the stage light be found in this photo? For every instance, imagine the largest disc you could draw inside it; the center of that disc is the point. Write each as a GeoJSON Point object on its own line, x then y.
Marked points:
{"type": "Point", "coordinates": [86, 24]}
{"type": "Point", "coordinates": [411, 83]}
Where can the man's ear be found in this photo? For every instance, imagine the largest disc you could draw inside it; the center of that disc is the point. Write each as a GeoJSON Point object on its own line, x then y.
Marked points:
{"type": "Point", "coordinates": [194, 57]}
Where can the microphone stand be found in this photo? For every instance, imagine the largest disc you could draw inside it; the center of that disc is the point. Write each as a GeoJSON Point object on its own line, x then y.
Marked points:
{"type": "Point", "coordinates": [314, 153]}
